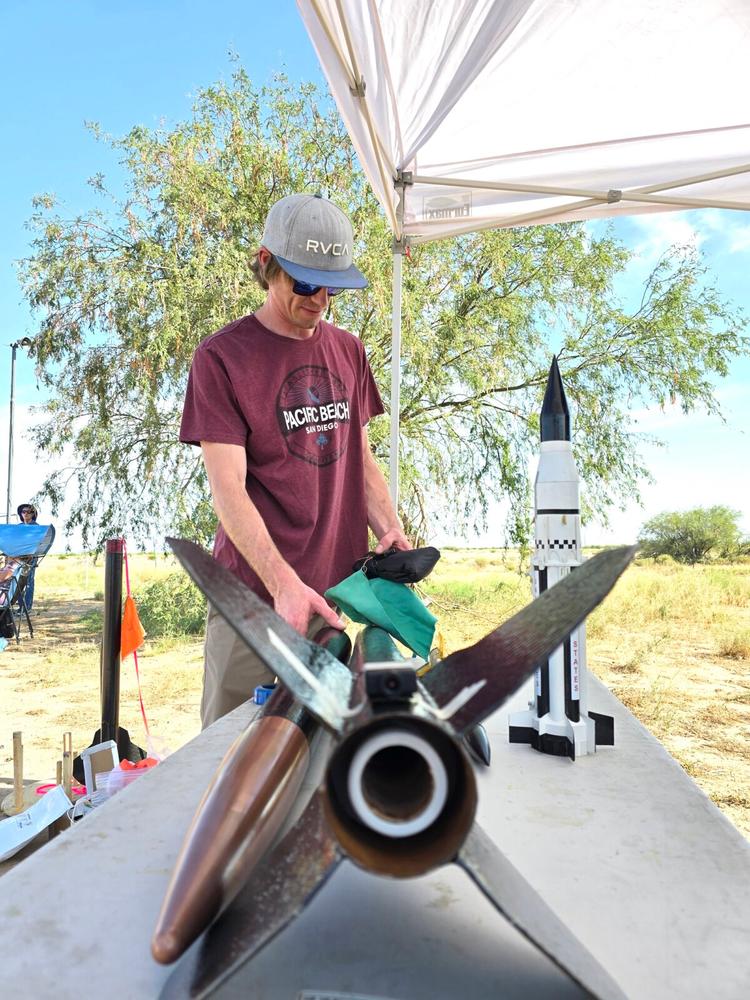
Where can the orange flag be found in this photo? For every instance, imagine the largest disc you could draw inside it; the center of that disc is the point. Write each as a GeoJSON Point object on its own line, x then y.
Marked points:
{"type": "Point", "coordinates": [132, 634]}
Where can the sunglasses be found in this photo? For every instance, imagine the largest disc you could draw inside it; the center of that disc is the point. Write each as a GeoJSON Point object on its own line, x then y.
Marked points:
{"type": "Point", "coordinates": [302, 288]}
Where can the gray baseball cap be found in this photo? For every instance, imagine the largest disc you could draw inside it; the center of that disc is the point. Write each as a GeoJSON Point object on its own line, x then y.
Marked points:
{"type": "Point", "coordinates": [312, 240]}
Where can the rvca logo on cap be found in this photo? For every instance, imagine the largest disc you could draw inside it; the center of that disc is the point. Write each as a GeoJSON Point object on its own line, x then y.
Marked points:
{"type": "Point", "coordinates": [336, 249]}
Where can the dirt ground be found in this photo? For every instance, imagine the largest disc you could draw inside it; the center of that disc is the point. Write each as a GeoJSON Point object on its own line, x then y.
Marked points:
{"type": "Point", "coordinates": [672, 643]}
{"type": "Point", "coordinates": [49, 684]}
{"type": "Point", "coordinates": [696, 702]}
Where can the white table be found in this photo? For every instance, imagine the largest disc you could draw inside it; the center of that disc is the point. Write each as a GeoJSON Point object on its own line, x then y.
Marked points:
{"type": "Point", "coordinates": [623, 846]}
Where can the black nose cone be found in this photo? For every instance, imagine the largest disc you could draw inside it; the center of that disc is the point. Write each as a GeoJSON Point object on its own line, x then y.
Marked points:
{"type": "Point", "coordinates": [555, 415]}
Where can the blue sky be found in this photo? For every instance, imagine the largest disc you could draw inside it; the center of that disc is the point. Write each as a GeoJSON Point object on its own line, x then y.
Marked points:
{"type": "Point", "coordinates": [141, 63]}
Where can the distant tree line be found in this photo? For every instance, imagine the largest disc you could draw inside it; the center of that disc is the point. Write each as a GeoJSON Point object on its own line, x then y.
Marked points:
{"type": "Point", "coordinates": [694, 536]}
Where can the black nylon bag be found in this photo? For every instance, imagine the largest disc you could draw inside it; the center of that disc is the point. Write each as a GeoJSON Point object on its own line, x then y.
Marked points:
{"type": "Point", "coordinates": [400, 567]}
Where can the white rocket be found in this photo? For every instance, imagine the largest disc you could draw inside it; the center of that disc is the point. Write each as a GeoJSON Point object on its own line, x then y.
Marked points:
{"type": "Point", "coordinates": [558, 720]}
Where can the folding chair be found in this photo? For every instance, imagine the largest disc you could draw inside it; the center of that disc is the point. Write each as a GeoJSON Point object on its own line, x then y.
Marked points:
{"type": "Point", "coordinates": [24, 546]}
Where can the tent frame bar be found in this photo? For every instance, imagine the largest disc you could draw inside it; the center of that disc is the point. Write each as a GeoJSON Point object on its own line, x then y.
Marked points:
{"type": "Point", "coordinates": [357, 88]}
{"type": "Point", "coordinates": [648, 195]}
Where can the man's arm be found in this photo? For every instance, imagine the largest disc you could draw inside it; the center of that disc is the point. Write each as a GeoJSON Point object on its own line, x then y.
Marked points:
{"type": "Point", "coordinates": [381, 516]}
{"type": "Point", "coordinates": [226, 466]}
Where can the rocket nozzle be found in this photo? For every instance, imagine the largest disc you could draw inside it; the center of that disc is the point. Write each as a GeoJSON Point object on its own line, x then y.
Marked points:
{"type": "Point", "coordinates": [397, 784]}
{"type": "Point", "coordinates": [401, 796]}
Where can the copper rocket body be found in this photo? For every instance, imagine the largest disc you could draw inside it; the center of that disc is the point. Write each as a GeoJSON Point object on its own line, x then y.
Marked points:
{"type": "Point", "coordinates": [238, 819]}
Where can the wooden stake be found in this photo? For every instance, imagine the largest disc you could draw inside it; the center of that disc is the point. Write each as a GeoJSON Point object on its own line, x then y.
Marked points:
{"type": "Point", "coordinates": [67, 763]}
{"type": "Point", "coordinates": [18, 805]}
{"type": "Point", "coordinates": [55, 827]}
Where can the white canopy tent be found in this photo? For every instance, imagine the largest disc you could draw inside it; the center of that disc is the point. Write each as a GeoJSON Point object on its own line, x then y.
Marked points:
{"type": "Point", "coordinates": [476, 114]}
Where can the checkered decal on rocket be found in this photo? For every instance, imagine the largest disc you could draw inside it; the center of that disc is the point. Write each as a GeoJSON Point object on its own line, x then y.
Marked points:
{"type": "Point", "coordinates": [557, 543]}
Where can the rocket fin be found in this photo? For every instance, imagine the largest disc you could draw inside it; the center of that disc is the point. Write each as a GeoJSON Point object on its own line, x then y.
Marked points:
{"type": "Point", "coordinates": [316, 678]}
{"type": "Point", "coordinates": [277, 892]}
{"type": "Point", "coordinates": [520, 904]}
{"type": "Point", "coordinates": [488, 672]}
{"type": "Point", "coordinates": [478, 744]}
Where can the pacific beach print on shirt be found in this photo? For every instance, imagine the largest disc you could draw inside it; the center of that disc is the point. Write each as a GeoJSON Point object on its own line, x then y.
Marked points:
{"type": "Point", "coordinates": [313, 410]}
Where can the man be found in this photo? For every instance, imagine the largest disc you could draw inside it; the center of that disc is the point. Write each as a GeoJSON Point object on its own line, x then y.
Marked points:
{"type": "Point", "coordinates": [279, 402]}
{"type": "Point", "coordinates": [27, 514]}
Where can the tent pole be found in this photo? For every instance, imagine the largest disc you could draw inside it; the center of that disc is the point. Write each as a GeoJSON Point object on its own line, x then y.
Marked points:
{"type": "Point", "coordinates": [398, 260]}
{"type": "Point", "coordinates": [400, 247]}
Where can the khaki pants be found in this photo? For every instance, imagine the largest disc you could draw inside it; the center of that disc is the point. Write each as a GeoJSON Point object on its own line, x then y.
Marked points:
{"type": "Point", "coordinates": [231, 671]}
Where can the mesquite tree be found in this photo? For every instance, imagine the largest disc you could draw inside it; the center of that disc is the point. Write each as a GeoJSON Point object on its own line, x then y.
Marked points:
{"type": "Point", "coordinates": [125, 292]}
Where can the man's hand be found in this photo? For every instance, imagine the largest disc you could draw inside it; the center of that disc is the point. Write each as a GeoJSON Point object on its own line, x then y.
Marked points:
{"type": "Point", "coordinates": [296, 603]}
{"type": "Point", "coordinates": [393, 538]}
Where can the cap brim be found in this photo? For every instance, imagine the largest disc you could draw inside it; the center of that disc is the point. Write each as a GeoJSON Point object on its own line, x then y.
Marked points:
{"type": "Point", "coordinates": [350, 277]}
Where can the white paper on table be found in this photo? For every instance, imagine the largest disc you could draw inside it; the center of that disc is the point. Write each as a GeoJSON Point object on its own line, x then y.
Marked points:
{"type": "Point", "coordinates": [18, 831]}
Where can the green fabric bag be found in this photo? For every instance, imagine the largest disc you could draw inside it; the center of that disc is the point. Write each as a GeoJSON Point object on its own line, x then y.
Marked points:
{"type": "Point", "coordinates": [392, 606]}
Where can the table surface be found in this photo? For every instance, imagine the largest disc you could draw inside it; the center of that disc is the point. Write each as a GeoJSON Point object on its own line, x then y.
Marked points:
{"type": "Point", "coordinates": [622, 845]}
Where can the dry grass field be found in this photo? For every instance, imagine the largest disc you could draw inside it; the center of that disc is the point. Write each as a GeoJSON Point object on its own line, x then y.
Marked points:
{"type": "Point", "coordinates": [672, 642]}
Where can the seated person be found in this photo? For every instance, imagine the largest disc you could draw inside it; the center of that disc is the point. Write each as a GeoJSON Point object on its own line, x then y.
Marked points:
{"type": "Point", "coordinates": [10, 566]}
{"type": "Point", "coordinates": [27, 514]}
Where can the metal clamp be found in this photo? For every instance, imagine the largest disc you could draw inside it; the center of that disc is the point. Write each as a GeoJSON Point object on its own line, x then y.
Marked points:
{"type": "Point", "coordinates": [358, 88]}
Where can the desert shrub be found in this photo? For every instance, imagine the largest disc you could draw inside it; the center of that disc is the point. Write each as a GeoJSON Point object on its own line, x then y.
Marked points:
{"type": "Point", "coordinates": [735, 645]}
{"type": "Point", "coordinates": [171, 606]}
{"type": "Point", "coordinates": [665, 560]}
{"type": "Point", "coordinates": [692, 536]}
{"type": "Point", "coordinates": [92, 622]}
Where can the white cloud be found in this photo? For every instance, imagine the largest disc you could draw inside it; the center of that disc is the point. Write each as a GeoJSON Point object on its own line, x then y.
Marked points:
{"type": "Point", "coordinates": [659, 232]}
{"type": "Point", "coordinates": [655, 420]}
{"type": "Point", "coordinates": [732, 236]}
{"type": "Point", "coordinates": [738, 239]}
{"type": "Point", "coordinates": [656, 233]}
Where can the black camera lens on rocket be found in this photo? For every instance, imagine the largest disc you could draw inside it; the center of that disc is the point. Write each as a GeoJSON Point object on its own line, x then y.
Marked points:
{"type": "Point", "coordinates": [391, 683]}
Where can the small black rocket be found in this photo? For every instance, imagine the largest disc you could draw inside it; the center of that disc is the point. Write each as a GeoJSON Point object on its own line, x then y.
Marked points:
{"type": "Point", "coordinates": [558, 720]}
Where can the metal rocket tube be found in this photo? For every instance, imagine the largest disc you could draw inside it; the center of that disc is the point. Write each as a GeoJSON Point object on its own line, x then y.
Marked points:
{"type": "Point", "coordinates": [400, 795]}
{"type": "Point", "coordinates": [239, 817]}
{"type": "Point", "coordinates": [397, 783]}
{"type": "Point", "coordinates": [400, 790]}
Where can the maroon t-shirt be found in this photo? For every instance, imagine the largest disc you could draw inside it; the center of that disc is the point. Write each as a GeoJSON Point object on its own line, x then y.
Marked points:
{"type": "Point", "coordinates": [297, 407]}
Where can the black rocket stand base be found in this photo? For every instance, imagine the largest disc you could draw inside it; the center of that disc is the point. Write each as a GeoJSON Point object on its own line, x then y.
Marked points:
{"type": "Point", "coordinates": [110, 662]}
